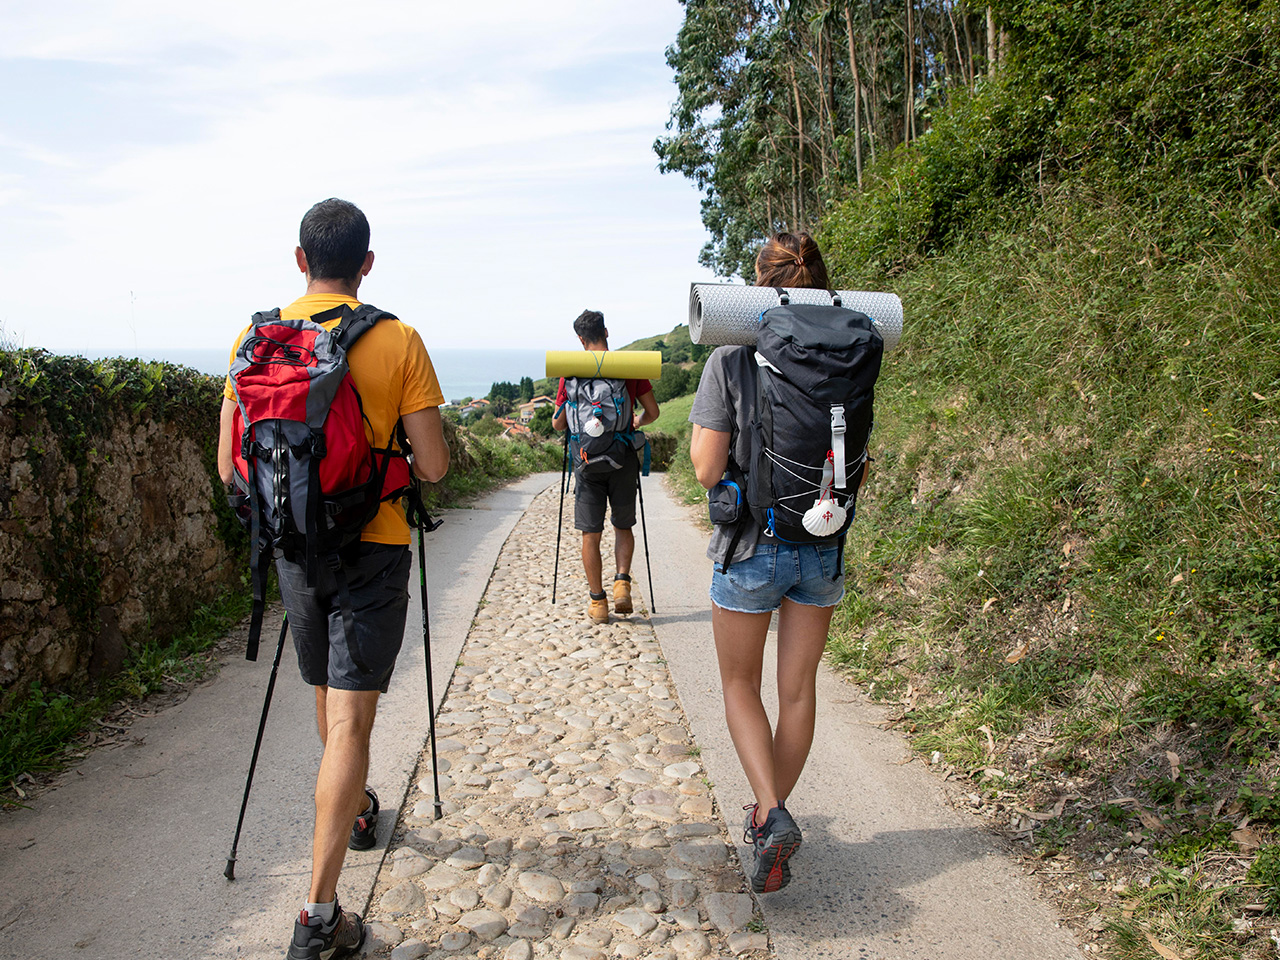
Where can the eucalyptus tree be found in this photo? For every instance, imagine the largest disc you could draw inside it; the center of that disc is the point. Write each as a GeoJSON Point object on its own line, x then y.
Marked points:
{"type": "Point", "coordinates": [781, 103]}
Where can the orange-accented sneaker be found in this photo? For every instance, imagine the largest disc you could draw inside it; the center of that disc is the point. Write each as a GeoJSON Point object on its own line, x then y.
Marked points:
{"type": "Point", "coordinates": [598, 610]}
{"type": "Point", "coordinates": [622, 596]}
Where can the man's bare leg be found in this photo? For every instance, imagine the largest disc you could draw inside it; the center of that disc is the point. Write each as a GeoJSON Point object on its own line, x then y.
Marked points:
{"type": "Point", "coordinates": [591, 562]}
{"type": "Point", "coordinates": [624, 548]}
{"type": "Point", "coordinates": [345, 719]}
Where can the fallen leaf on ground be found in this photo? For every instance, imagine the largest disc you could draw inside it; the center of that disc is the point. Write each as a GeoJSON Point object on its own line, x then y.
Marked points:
{"type": "Point", "coordinates": [991, 741]}
{"type": "Point", "coordinates": [1161, 949]}
{"type": "Point", "coordinates": [1016, 655]}
{"type": "Point", "coordinates": [987, 605]}
{"type": "Point", "coordinates": [1175, 764]}
{"type": "Point", "coordinates": [1151, 821]}
{"type": "Point", "coordinates": [1246, 839]}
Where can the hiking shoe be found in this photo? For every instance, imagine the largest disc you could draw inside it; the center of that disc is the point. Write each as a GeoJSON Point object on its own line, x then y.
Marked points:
{"type": "Point", "coordinates": [622, 596]}
{"type": "Point", "coordinates": [598, 610]}
{"type": "Point", "coordinates": [311, 941]}
{"type": "Point", "coordinates": [773, 844]}
{"type": "Point", "coordinates": [366, 825]}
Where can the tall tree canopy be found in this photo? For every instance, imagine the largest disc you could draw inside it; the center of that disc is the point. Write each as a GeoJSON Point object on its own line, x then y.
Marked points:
{"type": "Point", "coordinates": [781, 103]}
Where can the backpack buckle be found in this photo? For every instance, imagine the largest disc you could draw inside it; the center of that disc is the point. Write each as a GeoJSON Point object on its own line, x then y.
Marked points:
{"type": "Point", "coordinates": [837, 445]}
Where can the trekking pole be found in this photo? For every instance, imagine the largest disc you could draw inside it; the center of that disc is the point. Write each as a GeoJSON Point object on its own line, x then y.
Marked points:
{"type": "Point", "coordinates": [564, 469]}
{"type": "Point", "coordinates": [230, 871]}
{"type": "Point", "coordinates": [653, 608]}
{"type": "Point", "coordinates": [425, 525]}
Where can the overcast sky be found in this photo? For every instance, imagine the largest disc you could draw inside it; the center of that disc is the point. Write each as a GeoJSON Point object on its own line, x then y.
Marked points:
{"type": "Point", "coordinates": [156, 158]}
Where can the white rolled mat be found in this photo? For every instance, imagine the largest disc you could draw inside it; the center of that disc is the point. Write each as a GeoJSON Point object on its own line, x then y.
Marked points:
{"type": "Point", "coordinates": [725, 313]}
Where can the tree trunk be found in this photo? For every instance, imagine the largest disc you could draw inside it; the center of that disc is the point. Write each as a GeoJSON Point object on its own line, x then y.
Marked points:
{"type": "Point", "coordinates": [909, 91]}
{"type": "Point", "coordinates": [795, 198]}
{"type": "Point", "coordinates": [857, 96]}
{"type": "Point", "coordinates": [871, 104]}
{"type": "Point", "coordinates": [991, 42]}
{"type": "Point", "coordinates": [968, 44]}
{"type": "Point", "coordinates": [824, 109]}
{"type": "Point", "coordinates": [955, 33]}
{"type": "Point", "coordinates": [795, 89]}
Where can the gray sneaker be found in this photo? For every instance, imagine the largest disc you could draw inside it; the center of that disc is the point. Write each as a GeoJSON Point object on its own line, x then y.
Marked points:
{"type": "Point", "coordinates": [313, 941]}
{"type": "Point", "coordinates": [773, 844]}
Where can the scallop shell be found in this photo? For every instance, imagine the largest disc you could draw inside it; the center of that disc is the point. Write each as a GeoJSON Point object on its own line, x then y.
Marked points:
{"type": "Point", "coordinates": [824, 518]}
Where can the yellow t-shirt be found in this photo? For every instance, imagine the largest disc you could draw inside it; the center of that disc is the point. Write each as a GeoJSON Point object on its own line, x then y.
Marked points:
{"type": "Point", "coordinates": [393, 375]}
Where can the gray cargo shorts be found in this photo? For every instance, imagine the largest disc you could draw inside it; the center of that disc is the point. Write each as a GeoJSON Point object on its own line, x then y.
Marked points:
{"type": "Point", "coordinates": [378, 582]}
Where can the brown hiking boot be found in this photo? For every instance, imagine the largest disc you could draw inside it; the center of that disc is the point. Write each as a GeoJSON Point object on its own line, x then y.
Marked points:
{"type": "Point", "coordinates": [622, 596]}
{"type": "Point", "coordinates": [598, 610]}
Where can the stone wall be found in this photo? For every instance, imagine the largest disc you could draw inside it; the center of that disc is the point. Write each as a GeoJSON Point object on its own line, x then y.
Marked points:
{"type": "Point", "coordinates": [105, 540]}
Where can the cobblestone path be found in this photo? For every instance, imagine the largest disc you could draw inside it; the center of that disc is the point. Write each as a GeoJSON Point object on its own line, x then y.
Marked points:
{"type": "Point", "coordinates": [577, 822]}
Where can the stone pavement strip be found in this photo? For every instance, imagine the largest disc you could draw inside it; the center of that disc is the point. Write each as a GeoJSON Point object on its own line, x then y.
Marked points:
{"type": "Point", "coordinates": [577, 823]}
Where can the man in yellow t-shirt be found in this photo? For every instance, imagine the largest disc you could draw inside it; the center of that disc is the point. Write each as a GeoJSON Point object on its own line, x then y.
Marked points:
{"type": "Point", "coordinates": [396, 382]}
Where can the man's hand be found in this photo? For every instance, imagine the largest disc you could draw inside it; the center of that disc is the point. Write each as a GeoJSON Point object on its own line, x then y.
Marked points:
{"type": "Point", "coordinates": [648, 411]}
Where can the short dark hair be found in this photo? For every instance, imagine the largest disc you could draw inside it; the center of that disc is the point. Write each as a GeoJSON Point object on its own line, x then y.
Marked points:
{"type": "Point", "coordinates": [335, 237]}
{"type": "Point", "coordinates": [590, 326]}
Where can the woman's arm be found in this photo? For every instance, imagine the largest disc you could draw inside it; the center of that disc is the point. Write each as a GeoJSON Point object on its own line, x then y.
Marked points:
{"type": "Point", "coordinates": [709, 451]}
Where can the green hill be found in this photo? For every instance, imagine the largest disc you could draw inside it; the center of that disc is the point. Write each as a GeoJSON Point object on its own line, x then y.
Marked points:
{"type": "Point", "coordinates": [675, 347]}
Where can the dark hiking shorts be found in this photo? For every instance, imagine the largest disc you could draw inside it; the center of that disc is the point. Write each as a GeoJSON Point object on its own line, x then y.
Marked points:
{"type": "Point", "coordinates": [617, 487]}
{"type": "Point", "coordinates": [378, 582]}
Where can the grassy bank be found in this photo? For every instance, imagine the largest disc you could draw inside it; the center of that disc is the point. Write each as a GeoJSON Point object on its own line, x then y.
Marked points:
{"type": "Point", "coordinates": [673, 419]}
{"type": "Point", "coordinates": [1065, 569]}
{"type": "Point", "coordinates": [480, 463]}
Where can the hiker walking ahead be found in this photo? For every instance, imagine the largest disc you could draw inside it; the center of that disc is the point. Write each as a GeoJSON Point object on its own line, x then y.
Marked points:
{"type": "Point", "coordinates": [601, 419]}
{"type": "Point", "coordinates": [802, 581]}
{"type": "Point", "coordinates": [349, 664]}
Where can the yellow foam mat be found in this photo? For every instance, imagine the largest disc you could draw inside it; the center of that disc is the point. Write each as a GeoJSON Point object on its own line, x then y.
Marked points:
{"type": "Point", "coordinates": [618, 364]}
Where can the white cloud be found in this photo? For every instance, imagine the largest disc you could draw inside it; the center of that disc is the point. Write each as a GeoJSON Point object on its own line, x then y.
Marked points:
{"type": "Point", "coordinates": [503, 156]}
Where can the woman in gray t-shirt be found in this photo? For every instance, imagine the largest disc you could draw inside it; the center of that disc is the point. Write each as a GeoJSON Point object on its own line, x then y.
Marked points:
{"type": "Point", "coordinates": [803, 582]}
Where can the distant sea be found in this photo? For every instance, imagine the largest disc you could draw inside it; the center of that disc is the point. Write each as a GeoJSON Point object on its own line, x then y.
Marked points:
{"type": "Point", "coordinates": [463, 372]}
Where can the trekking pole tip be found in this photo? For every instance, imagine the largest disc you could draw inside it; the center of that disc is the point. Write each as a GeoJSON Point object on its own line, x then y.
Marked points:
{"type": "Point", "coordinates": [439, 810]}
{"type": "Point", "coordinates": [230, 871]}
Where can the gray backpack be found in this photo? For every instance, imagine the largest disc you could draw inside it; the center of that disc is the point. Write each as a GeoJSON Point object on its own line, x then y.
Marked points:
{"type": "Point", "coordinates": [599, 415]}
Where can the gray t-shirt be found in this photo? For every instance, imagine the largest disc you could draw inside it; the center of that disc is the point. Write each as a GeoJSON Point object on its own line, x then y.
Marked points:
{"type": "Point", "coordinates": [726, 401]}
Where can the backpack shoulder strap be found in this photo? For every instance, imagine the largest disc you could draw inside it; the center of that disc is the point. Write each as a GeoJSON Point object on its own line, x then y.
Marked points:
{"type": "Point", "coordinates": [265, 316]}
{"type": "Point", "coordinates": [356, 323]}
{"type": "Point", "coordinates": [352, 324]}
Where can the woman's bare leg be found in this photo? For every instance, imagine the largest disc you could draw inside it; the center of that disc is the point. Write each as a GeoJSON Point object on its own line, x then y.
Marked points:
{"type": "Point", "coordinates": [802, 636]}
{"type": "Point", "coordinates": [740, 641]}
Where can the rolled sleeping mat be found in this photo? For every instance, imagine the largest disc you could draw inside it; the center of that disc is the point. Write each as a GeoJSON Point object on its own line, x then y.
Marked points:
{"type": "Point", "coordinates": [729, 313]}
{"type": "Point", "coordinates": [615, 364]}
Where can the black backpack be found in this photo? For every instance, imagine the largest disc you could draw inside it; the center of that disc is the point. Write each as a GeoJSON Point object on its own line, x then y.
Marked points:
{"type": "Point", "coordinates": [815, 387]}
{"type": "Point", "coordinates": [606, 400]}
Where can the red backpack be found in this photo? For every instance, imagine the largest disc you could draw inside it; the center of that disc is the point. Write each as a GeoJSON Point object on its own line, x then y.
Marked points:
{"type": "Point", "coordinates": [307, 477]}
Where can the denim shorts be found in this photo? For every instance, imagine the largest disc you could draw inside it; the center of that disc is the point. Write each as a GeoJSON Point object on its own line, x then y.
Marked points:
{"type": "Point", "coordinates": [378, 584]}
{"type": "Point", "coordinates": [804, 573]}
